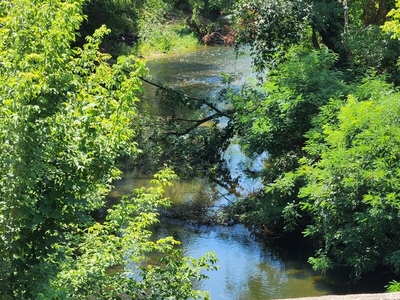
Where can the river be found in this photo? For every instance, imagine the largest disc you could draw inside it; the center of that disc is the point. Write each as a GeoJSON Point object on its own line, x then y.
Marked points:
{"type": "Point", "coordinates": [249, 268]}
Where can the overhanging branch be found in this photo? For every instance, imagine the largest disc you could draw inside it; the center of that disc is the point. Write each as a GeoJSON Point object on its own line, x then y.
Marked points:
{"type": "Point", "coordinates": [194, 126]}
{"type": "Point", "coordinates": [202, 100]}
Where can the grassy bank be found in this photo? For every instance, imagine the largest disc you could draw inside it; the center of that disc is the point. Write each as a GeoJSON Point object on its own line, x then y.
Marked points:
{"type": "Point", "coordinates": [169, 38]}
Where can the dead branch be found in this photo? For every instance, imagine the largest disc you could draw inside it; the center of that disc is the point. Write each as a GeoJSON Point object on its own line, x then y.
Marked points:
{"type": "Point", "coordinates": [201, 100]}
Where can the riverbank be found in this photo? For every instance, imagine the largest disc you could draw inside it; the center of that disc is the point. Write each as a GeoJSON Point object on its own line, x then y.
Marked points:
{"type": "Point", "coordinates": [381, 296]}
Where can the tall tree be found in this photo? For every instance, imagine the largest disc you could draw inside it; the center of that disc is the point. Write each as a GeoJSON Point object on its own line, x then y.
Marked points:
{"type": "Point", "coordinates": [65, 116]}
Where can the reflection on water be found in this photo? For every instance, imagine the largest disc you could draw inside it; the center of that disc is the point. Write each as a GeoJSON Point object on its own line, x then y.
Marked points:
{"type": "Point", "coordinates": [239, 166]}
{"type": "Point", "coordinates": [248, 269]}
{"type": "Point", "coordinates": [181, 191]}
{"type": "Point", "coordinates": [235, 184]}
{"type": "Point", "coordinates": [253, 269]}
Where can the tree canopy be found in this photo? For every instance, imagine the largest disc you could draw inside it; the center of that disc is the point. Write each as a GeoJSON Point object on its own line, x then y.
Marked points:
{"type": "Point", "coordinates": [352, 191]}
{"type": "Point", "coordinates": [326, 115]}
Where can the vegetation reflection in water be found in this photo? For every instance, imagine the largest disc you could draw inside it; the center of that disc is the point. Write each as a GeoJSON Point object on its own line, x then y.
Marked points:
{"type": "Point", "coordinates": [248, 269]}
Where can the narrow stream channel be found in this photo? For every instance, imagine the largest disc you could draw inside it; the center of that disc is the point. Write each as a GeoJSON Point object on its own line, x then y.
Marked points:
{"type": "Point", "coordinates": [249, 268]}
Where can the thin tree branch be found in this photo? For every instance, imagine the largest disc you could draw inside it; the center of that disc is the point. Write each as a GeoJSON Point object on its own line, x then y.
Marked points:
{"type": "Point", "coordinates": [204, 101]}
{"type": "Point", "coordinates": [194, 126]}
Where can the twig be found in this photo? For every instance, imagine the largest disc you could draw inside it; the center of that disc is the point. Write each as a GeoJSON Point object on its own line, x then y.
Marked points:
{"type": "Point", "coordinates": [204, 101]}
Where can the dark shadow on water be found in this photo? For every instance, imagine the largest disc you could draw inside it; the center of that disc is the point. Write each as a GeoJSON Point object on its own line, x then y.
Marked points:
{"type": "Point", "coordinates": [296, 251]}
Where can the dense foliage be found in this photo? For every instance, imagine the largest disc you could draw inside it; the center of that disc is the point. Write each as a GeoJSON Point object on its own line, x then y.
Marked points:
{"type": "Point", "coordinates": [151, 25]}
{"type": "Point", "coordinates": [352, 191]}
{"type": "Point", "coordinates": [65, 121]}
{"type": "Point", "coordinates": [344, 27]}
{"type": "Point", "coordinates": [327, 115]}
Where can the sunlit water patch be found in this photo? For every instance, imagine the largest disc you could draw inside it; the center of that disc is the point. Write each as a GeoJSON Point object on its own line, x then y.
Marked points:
{"type": "Point", "coordinates": [199, 72]}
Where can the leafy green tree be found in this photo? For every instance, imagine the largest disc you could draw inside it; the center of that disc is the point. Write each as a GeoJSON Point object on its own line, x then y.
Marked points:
{"type": "Point", "coordinates": [65, 116]}
{"type": "Point", "coordinates": [332, 163]}
{"type": "Point", "coordinates": [118, 258]}
{"type": "Point", "coordinates": [276, 122]}
{"type": "Point", "coordinates": [392, 26]}
{"type": "Point", "coordinates": [313, 51]}
{"type": "Point", "coordinates": [293, 94]}
{"type": "Point", "coordinates": [373, 11]}
{"type": "Point", "coordinates": [352, 191]}
{"type": "Point", "coordinates": [272, 27]}
{"type": "Point", "coordinates": [371, 48]}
